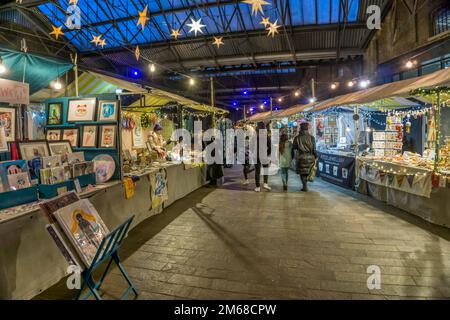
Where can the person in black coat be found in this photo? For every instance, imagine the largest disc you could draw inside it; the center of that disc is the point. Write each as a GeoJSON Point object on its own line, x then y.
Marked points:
{"type": "Point", "coordinates": [305, 145]}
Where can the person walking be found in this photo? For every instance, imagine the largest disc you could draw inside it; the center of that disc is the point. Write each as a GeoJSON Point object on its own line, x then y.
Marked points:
{"type": "Point", "coordinates": [286, 151]}
{"type": "Point", "coordinates": [306, 157]}
{"type": "Point", "coordinates": [261, 126]}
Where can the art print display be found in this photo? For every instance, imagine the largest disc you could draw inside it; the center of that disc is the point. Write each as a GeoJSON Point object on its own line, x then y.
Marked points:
{"type": "Point", "coordinates": [45, 176]}
{"type": "Point", "coordinates": [81, 110]}
{"type": "Point", "coordinates": [50, 206]}
{"type": "Point", "coordinates": [51, 161]}
{"type": "Point", "coordinates": [3, 142]}
{"type": "Point", "coordinates": [107, 111]}
{"type": "Point", "coordinates": [8, 121]}
{"type": "Point", "coordinates": [57, 175]}
{"type": "Point", "coordinates": [54, 113]}
{"type": "Point", "coordinates": [60, 148]}
{"type": "Point", "coordinates": [104, 167]}
{"type": "Point", "coordinates": [75, 157]}
{"type": "Point", "coordinates": [107, 136]}
{"type": "Point", "coordinates": [63, 246]}
{"type": "Point", "coordinates": [71, 135]}
{"type": "Point", "coordinates": [138, 140]}
{"type": "Point", "coordinates": [84, 228]}
{"type": "Point", "coordinates": [158, 188]}
{"type": "Point", "coordinates": [29, 150]}
{"type": "Point", "coordinates": [8, 168]}
{"type": "Point", "coordinates": [53, 134]}
{"type": "Point", "coordinates": [82, 168]}
{"type": "Point", "coordinates": [19, 181]}
{"type": "Point", "coordinates": [89, 138]}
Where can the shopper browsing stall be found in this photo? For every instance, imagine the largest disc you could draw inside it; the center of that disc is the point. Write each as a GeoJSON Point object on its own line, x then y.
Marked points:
{"type": "Point", "coordinates": [157, 142]}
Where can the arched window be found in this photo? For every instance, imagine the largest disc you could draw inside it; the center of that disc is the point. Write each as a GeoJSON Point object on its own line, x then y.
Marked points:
{"type": "Point", "coordinates": [441, 20]}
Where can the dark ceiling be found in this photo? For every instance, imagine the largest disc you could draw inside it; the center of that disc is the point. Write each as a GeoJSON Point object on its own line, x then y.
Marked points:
{"type": "Point", "coordinates": [320, 39]}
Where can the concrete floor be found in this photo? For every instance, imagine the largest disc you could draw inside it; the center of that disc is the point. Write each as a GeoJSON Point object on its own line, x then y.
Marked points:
{"type": "Point", "coordinates": [233, 243]}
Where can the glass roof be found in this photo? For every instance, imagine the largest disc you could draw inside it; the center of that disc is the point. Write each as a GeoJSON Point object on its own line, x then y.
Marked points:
{"type": "Point", "coordinates": [116, 19]}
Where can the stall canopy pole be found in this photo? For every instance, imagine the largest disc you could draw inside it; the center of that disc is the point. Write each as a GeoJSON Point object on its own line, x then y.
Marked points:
{"type": "Point", "coordinates": [211, 81]}
{"type": "Point", "coordinates": [75, 70]}
{"type": "Point", "coordinates": [271, 105]}
{"type": "Point", "coordinates": [437, 124]}
{"type": "Point", "coordinates": [245, 114]}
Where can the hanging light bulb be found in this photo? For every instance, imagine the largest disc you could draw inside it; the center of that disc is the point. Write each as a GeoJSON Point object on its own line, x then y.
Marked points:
{"type": "Point", "coordinates": [409, 64]}
{"type": "Point", "coordinates": [297, 93]}
{"type": "Point", "coordinates": [312, 100]}
{"type": "Point", "coordinates": [280, 99]}
{"type": "Point", "coordinates": [261, 107]}
{"type": "Point", "coordinates": [152, 67]}
{"type": "Point", "coordinates": [191, 81]}
{"type": "Point", "coordinates": [2, 66]}
{"type": "Point", "coordinates": [333, 86]}
{"type": "Point", "coordinates": [364, 83]}
{"type": "Point", "coordinates": [350, 84]}
{"type": "Point", "coordinates": [57, 85]}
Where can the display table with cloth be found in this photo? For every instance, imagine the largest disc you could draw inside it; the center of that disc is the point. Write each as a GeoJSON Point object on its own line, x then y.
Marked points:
{"type": "Point", "coordinates": [406, 187]}
{"type": "Point", "coordinates": [30, 262]}
{"type": "Point", "coordinates": [337, 168]}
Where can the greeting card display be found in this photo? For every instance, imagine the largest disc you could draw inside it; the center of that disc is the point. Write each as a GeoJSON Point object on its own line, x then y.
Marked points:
{"type": "Point", "coordinates": [84, 228]}
{"type": "Point", "coordinates": [89, 137]}
{"type": "Point", "coordinates": [75, 157]}
{"type": "Point", "coordinates": [19, 181]}
{"type": "Point", "coordinates": [61, 148]}
{"type": "Point", "coordinates": [82, 168]}
{"type": "Point", "coordinates": [58, 175]}
{"type": "Point", "coordinates": [52, 161]}
{"type": "Point", "coordinates": [107, 111]}
{"type": "Point", "coordinates": [8, 168]}
{"type": "Point", "coordinates": [81, 110]}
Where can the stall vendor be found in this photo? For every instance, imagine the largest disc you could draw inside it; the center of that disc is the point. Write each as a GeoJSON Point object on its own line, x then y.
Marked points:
{"type": "Point", "coordinates": [157, 141]}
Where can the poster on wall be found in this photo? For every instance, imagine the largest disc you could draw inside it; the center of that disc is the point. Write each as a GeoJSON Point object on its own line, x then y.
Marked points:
{"type": "Point", "coordinates": [158, 188]}
{"type": "Point", "coordinates": [107, 111]}
{"type": "Point", "coordinates": [138, 141]}
{"type": "Point", "coordinates": [320, 128]}
{"type": "Point", "coordinates": [14, 92]}
{"type": "Point", "coordinates": [8, 121]}
{"type": "Point", "coordinates": [3, 142]}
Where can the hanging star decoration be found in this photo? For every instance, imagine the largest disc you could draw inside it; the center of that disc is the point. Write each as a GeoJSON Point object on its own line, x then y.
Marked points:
{"type": "Point", "coordinates": [196, 26]}
{"type": "Point", "coordinates": [143, 17]}
{"type": "Point", "coordinates": [96, 40]}
{"type": "Point", "coordinates": [175, 33]}
{"type": "Point", "coordinates": [73, 1]}
{"type": "Point", "coordinates": [102, 43]}
{"type": "Point", "coordinates": [256, 5]}
{"type": "Point", "coordinates": [137, 53]}
{"type": "Point", "coordinates": [57, 31]}
{"type": "Point", "coordinates": [265, 21]}
{"type": "Point", "coordinates": [218, 41]}
{"type": "Point", "coordinates": [273, 29]}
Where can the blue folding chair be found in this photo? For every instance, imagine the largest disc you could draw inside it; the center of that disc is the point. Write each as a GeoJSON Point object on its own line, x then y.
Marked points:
{"type": "Point", "coordinates": [108, 249]}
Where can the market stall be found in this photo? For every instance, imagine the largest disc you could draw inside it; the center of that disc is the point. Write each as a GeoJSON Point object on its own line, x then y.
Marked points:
{"type": "Point", "coordinates": [86, 137]}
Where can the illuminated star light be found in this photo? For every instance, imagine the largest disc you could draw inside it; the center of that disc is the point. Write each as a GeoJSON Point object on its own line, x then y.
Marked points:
{"type": "Point", "coordinates": [96, 40]}
{"type": "Point", "coordinates": [57, 31]}
{"type": "Point", "coordinates": [196, 26]}
{"type": "Point", "coordinates": [73, 1]}
{"type": "Point", "coordinates": [175, 33]}
{"type": "Point", "coordinates": [273, 29]}
{"type": "Point", "coordinates": [265, 22]}
{"type": "Point", "coordinates": [137, 53]}
{"type": "Point", "coordinates": [218, 41]}
{"type": "Point", "coordinates": [142, 17]}
{"type": "Point", "coordinates": [103, 43]}
{"type": "Point", "coordinates": [256, 5]}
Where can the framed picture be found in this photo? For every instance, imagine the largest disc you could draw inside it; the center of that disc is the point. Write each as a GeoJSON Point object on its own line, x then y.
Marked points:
{"type": "Point", "coordinates": [8, 121]}
{"type": "Point", "coordinates": [81, 110]}
{"type": "Point", "coordinates": [53, 134]}
{"type": "Point", "coordinates": [107, 110]}
{"type": "Point", "coordinates": [107, 137]}
{"type": "Point", "coordinates": [72, 136]}
{"type": "Point", "coordinates": [54, 113]}
{"type": "Point", "coordinates": [60, 148]}
{"type": "Point", "coordinates": [3, 142]}
{"type": "Point", "coordinates": [29, 150]}
{"type": "Point", "coordinates": [89, 137]}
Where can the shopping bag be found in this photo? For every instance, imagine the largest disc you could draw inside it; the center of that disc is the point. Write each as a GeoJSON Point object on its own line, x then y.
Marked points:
{"type": "Point", "coordinates": [312, 172]}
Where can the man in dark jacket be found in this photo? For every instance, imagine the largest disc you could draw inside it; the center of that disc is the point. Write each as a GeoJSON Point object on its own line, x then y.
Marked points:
{"type": "Point", "coordinates": [305, 145]}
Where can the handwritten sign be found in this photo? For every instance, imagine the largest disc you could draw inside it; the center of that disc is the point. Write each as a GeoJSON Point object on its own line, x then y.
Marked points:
{"type": "Point", "coordinates": [14, 92]}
